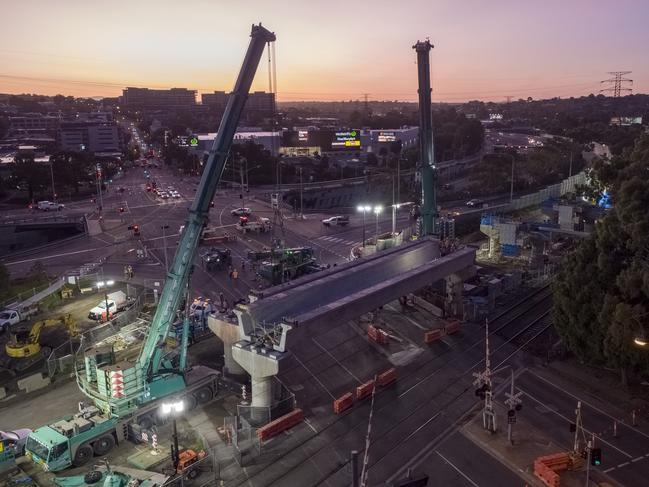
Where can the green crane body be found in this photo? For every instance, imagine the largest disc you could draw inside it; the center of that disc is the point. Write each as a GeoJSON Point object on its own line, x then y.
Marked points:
{"type": "Point", "coordinates": [124, 392]}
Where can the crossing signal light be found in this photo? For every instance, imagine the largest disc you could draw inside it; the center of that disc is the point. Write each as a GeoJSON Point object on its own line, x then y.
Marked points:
{"type": "Point", "coordinates": [121, 209]}
{"type": "Point", "coordinates": [573, 427]}
{"type": "Point", "coordinates": [511, 413]}
{"type": "Point", "coordinates": [596, 457]}
{"type": "Point", "coordinates": [481, 392]}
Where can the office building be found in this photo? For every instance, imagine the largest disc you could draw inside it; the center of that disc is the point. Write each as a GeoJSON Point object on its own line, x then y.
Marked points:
{"type": "Point", "coordinates": [88, 136]}
{"type": "Point", "coordinates": [162, 99]}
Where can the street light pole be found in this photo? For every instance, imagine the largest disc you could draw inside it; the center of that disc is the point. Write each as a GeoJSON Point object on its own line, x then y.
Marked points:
{"type": "Point", "coordinates": [164, 244]}
{"type": "Point", "coordinates": [377, 212]}
{"type": "Point", "coordinates": [52, 175]}
{"type": "Point", "coordinates": [364, 209]}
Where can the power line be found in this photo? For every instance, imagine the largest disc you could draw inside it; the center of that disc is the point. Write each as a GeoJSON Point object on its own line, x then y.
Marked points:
{"type": "Point", "coordinates": [618, 83]}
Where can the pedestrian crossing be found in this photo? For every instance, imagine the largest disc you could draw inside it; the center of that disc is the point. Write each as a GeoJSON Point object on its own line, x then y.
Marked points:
{"type": "Point", "coordinates": [337, 240]}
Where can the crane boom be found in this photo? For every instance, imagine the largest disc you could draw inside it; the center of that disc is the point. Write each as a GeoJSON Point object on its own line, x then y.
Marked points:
{"type": "Point", "coordinates": [150, 357]}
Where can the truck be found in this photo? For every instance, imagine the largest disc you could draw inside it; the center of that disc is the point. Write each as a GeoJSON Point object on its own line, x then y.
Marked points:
{"type": "Point", "coordinates": [115, 301]}
{"type": "Point", "coordinates": [127, 393]}
{"type": "Point", "coordinates": [49, 206]}
{"type": "Point", "coordinates": [260, 225]}
{"type": "Point", "coordinates": [14, 314]}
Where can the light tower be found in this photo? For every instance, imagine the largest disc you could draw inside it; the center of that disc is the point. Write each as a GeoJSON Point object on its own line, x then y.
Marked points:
{"type": "Point", "coordinates": [428, 170]}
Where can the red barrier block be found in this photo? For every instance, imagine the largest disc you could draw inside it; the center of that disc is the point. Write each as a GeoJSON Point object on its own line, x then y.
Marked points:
{"type": "Point", "coordinates": [343, 403]}
{"type": "Point", "coordinates": [280, 424]}
{"type": "Point", "coordinates": [432, 336]}
{"type": "Point", "coordinates": [387, 377]}
{"type": "Point", "coordinates": [364, 390]}
{"type": "Point", "coordinates": [452, 327]}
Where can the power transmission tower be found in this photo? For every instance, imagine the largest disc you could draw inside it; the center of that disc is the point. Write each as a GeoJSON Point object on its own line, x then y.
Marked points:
{"type": "Point", "coordinates": [617, 83]}
{"type": "Point", "coordinates": [366, 104]}
{"type": "Point", "coordinates": [509, 99]}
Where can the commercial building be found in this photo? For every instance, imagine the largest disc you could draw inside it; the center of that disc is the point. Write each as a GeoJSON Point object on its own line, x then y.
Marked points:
{"type": "Point", "coordinates": [33, 123]}
{"type": "Point", "coordinates": [270, 140]}
{"type": "Point", "coordinates": [259, 104]}
{"type": "Point", "coordinates": [91, 136]}
{"type": "Point", "coordinates": [173, 98]}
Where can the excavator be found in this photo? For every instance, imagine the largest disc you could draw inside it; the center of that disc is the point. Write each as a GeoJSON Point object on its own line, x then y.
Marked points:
{"type": "Point", "coordinates": [24, 343]}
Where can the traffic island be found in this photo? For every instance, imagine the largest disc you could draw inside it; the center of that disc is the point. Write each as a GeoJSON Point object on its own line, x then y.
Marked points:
{"type": "Point", "coordinates": [528, 444]}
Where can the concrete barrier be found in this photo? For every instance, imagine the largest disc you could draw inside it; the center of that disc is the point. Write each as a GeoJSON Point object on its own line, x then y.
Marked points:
{"type": "Point", "coordinates": [3, 393]}
{"type": "Point", "coordinates": [33, 382]}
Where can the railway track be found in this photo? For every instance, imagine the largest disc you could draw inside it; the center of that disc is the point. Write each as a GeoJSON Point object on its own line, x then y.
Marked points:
{"type": "Point", "coordinates": [503, 321]}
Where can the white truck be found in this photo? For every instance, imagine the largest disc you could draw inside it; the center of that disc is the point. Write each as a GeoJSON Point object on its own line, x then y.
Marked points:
{"type": "Point", "coordinates": [50, 206]}
{"type": "Point", "coordinates": [16, 313]}
{"type": "Point", "coordinates": [260, 225]}
{"type": "Point", "coordinates": [115, 302]}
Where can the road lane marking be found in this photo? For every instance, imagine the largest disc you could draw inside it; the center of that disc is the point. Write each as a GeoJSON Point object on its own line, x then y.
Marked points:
{"type": "Point", "coordinates": [570, 421]}
{"type": "Point", "coordinates": [337, 361]}
{"type": "Point", "coordinates": [622, 464]}
{"type": "Point", "coordinates": [595, 408]}
{"type": "Point", "coordinates": [308, 423]}
{"type": "Point", "coordinates": [457, 469]}
{"type": "Point", "coordinates": [46, 257]}
{"type": "Point", "coordinates": [317, 380]}
{"type": "Point", "coordinates": [636, 459]}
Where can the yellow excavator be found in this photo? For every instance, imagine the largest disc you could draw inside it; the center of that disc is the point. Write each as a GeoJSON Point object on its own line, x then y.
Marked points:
{"type": "Point", "coordinates": [25, 343]}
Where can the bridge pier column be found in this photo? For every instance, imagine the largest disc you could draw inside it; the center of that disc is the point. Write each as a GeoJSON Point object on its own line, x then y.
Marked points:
{"type": "Point", "coordinates": [453, 302]}
{"type": "Point", "coordinates": [263, 365]}
{"type": "Point", "coordinates": [229, 334]}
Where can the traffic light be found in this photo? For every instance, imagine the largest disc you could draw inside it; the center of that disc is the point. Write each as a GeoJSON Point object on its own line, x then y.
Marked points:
{"type": "Point", "coordinates": [573, 427]}
{"type": "Point", "coordinates": [596, 457]}
{"type": "Point", "coordinates": [240, 196]}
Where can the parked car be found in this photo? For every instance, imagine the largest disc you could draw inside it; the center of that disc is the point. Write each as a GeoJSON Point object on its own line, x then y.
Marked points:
{"type": "Point", "coordinates": [241, 212]}
{"type": "Point", "coordinates": [50, 206]}
{"type": "Point", "coordinates": [339, 220]}
{"type": "Point", "coordinates": [475, 203]}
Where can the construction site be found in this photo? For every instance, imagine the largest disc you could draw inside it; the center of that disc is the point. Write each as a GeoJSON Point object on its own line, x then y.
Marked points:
{"type": "Point", "coordinates": [386, 369]}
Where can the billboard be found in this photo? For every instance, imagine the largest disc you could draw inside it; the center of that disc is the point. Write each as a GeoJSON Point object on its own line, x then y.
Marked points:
{"type": "Point", "coordinates": [387, 137]}
{"type": "Point", "coordinates": [624, 121]}
{"type": "Point", "coordinates": [348, 139]}
{"type": "Point", "coordinates": [302, 135]}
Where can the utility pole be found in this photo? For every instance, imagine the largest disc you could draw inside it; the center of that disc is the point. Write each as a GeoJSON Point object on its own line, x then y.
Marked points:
{"type": "Point", "coordinates": [483, 381]}
{"type": "Point", "coordinates": [52, 175]}
{"type": "Point", "coordinates": [570, 170]}
{"type": "Point", "coordinates": [243, 201]}
{"type": "Point", "coordinates": [354, 461]}
{"type": "Point", "coordinates": [589, 447]}
{"type": "Point", "coordinates": [301, 196]}
{"type": "Point", "coordinates": [511, 188]}
{"type": "Point", "coordinates": [164, 244]}
{"type": "Point", "coordinates": [513, 401]}
{"type": "Point", "coordinates": [617, 83]}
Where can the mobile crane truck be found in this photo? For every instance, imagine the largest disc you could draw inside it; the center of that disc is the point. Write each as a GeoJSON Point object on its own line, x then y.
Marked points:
{"type": "Point", "coordinates": [127, 394]}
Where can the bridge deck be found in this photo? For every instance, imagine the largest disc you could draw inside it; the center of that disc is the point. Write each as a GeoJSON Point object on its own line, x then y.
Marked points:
{"type": "Point", "coordinates": [351, 289]}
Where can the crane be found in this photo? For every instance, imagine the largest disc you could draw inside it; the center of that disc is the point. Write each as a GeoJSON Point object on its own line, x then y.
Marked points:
{"type": "Point", "coordinates": [128, 393]}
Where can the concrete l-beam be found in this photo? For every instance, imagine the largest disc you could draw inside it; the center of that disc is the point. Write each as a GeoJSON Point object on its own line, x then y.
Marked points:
{"type": "Point", "coordinates": [310, 305]}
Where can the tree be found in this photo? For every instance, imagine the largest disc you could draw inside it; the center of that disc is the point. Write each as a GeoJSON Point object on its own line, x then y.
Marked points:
{"type": "Point", "coordinates": [35, 175]}
{"type": "Point", "coordinates": [601, 294]}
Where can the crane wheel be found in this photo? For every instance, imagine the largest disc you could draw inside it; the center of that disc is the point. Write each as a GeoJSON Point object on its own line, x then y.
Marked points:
{"type": "Point", "coordinates": [203, 395]}
{"type": "Point", "coordinates": [83, 455]}
{"type": "Point", "coordinates": [92, 477]}
{"type": "Point", "coordinates": [190, 402]}
{"type": "Point", "coordinates": [192, 474]}
{"type": "Point", "coordinates": [145, 422]}
{"type": "Point", "coordinates": [103, 445]}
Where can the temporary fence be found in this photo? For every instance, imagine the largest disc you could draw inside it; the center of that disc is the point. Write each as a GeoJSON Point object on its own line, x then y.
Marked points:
{"type": "Point", "coordinates": [566, 186]}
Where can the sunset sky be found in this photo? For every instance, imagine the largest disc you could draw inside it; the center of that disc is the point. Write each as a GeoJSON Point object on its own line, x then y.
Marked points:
{"type": "Point", "coordinates": [326, 50]}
